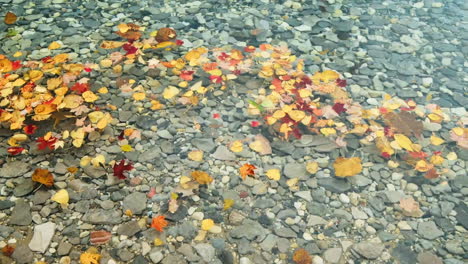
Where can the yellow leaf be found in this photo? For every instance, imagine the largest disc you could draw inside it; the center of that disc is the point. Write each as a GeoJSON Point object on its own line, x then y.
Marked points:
{"type": "Point", "coordinates": [273, 174]}
{"type": "Point", "coordinates": [404, 142]}
{"type": "Point", "coordinates": [278, 114]}
{"type": "Point", "coordinates": [436, 141]}
{"type": "Point", "coordinates": [126, 148]}
{"type": "Point", "coordinates": [196, 155]}
{"type": "Point", "coordinates": [139, 96]}
{"type": "Point", "coordinates": [458, 131]}
{"type": "Point", "coordinates": [326, 131]}
{"type": "Point", "coordinates": [123, 27]}
{"type": "Point", "coordinates": [158, 242]}
{"type": "Point", "coordinates": [292, 182]}
{"type": "Point", "coordinates": [89, 96]}
{"type": "Point", "coordinates": [85, 161]}
{"type": "Point", "coordinates": [228, 203]}
{"type": "Point", "coordinates": [19, 82]}
{"type": "Point", "coordinates": [296, 115]}
{"type": "Point", "coordinates": [435, 117]}
{"type": "Point", "coordinates": [18, 54]}
{"type": "Point", "coordinates": [237, 146]}
{"type": "Point", "coordinates": [61, 197]}
{"type": "Point", "coordinates": [312, 167]}
{"type": "Point", "coordinates": [207, 224]}
{"type": "Point", "coordinates": [345, 167]}
{"type": "Point", "coordinates": [95, 116]}
{"type": "Point", "coordinates": [452, 156]}
{"type": "Point", "coordinates": [392, 164]}
{"type": "Point", "coordinates": [105, 63]}
{"type": "Point", "coordinates": [103, 90]}
{"type": "Point", "coordinates": [170, 92]}
{"type": "Point", "coordinates": [201, 177]}
{"type": "Point", "coordinates": [423, 166]}
{"type": "Point", "coordinates": [437, 160]}
{"type": "Point", "coordinates": [54, 45]}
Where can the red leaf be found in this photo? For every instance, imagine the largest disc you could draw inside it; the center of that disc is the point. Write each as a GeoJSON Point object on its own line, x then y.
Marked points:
{"type": "Point", "coordinates": [29, 129]}
{"type": "Point", "coordinates": [341, 82]}
{"type": "Point", "coordinates": [121, 136]}
{"type": "Point", "coordinates": [339, 108]}
{"type": "Point", "coordinates": [16, 65]}
{"type": "Point", "coordinates": [216, 115]}
{"type": "Point", "coordinates": [43, 143]}
{"type": "Point", "coordinates": [385, 155]}
{"type": "Point", "coordinates": [46, 59]}
{"type": "Point", "coordinates": [129, 48]}
{"type": "Point", "coordinates": [80, 88]}
{"type": "Point", "coordinates": [216, 79]}
{"type": "Point", "coordinates": [255, 123]}
{"type": "Point", "coordinates": [15, 150]}
{"type": "Point", "coordinates": [418, 155]}
{"type": "Point", "coordinates": [249, 49]}
{"type": "Point", "coordinates": [431, 174]}
{"type": "Point", "coordinates": [186, 75]}
{"type": "Point", "coordinates": [120, 168]}
{"type": "Point", "coordinates": [87, 69]}
{"type": "Point", "coordinates": [179, 42]}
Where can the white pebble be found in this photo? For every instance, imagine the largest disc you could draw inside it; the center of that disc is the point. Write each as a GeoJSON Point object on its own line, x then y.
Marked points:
{"type": "Point", "coordinates": [198, 216]}
{"type": "Point", "coordinates": [307, 237]}
{"type": "Point", "coordinates": [344, 198]}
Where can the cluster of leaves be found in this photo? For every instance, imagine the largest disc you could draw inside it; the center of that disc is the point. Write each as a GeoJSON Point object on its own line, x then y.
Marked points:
{"type": "Point", "coordinates": [34, 92]}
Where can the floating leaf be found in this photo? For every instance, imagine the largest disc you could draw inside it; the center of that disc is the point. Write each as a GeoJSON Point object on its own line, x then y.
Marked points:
{"type": "Point", "coordinates": [201, 177]}
{"type": "Point", "coordinates": [120, 168]}
{"type": "Point", "coordinates": [43, 176]}
{"type": "Point", "coordinates": [61, 197]}
{"type": "Point", "coordinates": [273, 174]}
{"type": "Point", "coordinates": [261, 145]}
{"type": "Point", "coordinates": [345, 167]}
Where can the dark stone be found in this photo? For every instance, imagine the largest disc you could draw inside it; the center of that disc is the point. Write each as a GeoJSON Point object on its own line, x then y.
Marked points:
{"type": "Point", "coordinates": [21, 214]}
{"type": "Point", "coordinates": [6, 204]}
{"type": "Point", "coordinates": [226, 257]}
{"type": "Point", "coordinates": [140, 260]}
{"type": "Point", "coordinates": [404, 254]}
{"type": "Point", "coordinates": [24, 188]}
{"type": "Point", "coordinates": [462, 214]}
{"type": "Point", "coordinates": [334, 185]}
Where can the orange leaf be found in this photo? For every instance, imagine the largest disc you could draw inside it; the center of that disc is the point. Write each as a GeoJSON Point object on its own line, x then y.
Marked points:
{"type": "Point", "coordinates": [201, 177]}
{"type": "Point", "coordinates": [301, 256]}
{"type": "Point", "coordinates": [10, 18]}
{"type": "Point", "coordinates": [43, 176]}
{"type": "Point", "coordinates": [159, 223]}
{"type": "Point", "coordinates": [247, 170]}
{"type": "Point", "coordinates": [431, 174]}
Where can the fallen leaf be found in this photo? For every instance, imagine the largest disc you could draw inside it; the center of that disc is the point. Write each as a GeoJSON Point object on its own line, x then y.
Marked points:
{"type": "Point", "coordinates": [301, 256]}
{"type": "Point", "coordinates": [237, 146]}
{"type": "Point", "coordinates": [312, 167]}
{"type": "Point", "coordinates": [10, 18]}
{"type": "Point", "coordinates": [159, 223]}
{"type": "Point", "coordinates": [201, 177]}
{"type": "Point", "coordinates": [90, 258]}
{"type": "Point", "coordinates": [436, 141]}
{"type": "Point", "coordinates": [207, 224]}
{"type": "Point", "coordinates": [247, 170]}
{"type": "Point", "coordinates": [120, 168]}
{"type": "Point", "coordinates": [43, 176]}
{"type": "Point", "coordinates": [404, 122]}
{"type": "Point", "coordinates": [196, 155]}
{"type": "Point", "coordinates": [404, 142]}
{"type": "Point", "coordinates": [8, 250]}
{"type": "Point", "coordinates": [228, 203]}
{"type": "Point", "coordinates": [139, 96]}
{"type": "Point", "coordinates": [273, 174]}
{"type": "Point", "coordinates": [170, 92]}
{"type": "Point", "coordinates": [173, 206]}
{"type": "Point", "coordinates": [126, 148]}
{"type": "Point", "coordinates": [99, 237]}
{"type": "Point", "coordinates": [346, 167]}
{"type": "Point", "coordinates": [61, 197]}
{"type": "Point", "coordinates": [54, 45]}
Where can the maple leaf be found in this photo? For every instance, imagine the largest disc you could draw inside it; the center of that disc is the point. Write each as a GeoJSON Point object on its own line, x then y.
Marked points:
{"type": "Point", "coordinates": [159, 223]}
{"type": "Point", "coordinates": [120, 168]}
{"type": "Point", "coordinates": [43, 176]}
{"type": "Point", "coordinates": [404, 122]}
{"type": "Point", "coordinates": [30, 129]}
{"type": "Point", "coordinates": [43, 143]}
{"type": "Point", "coordinates": [247, 170]}
{"type": "Point", "coordinates": [80, 88]}
{"type": "Point", "coordinates": [339, 108]}
{"type": "Point", "coordinates": [8, 250]}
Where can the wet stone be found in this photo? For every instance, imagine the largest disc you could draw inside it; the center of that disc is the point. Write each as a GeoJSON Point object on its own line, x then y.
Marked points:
{"type": "Point", "coordinates": [24, 188]}
{"type": "Point", "coordinates": [21, 214]}
{"type": "Point", "coordinates": [429, 230]}
{"type": "Point", "coordinates": [250, 230]}
{"type": "Point", "coordinates": [369, 250]}
{"type": "Point", "coordinates": [135, 202]}
{"type": "Point", "coordinates": [22, 254]}
{"type": "Point", "coordinates": [334, 185]}
{"type": "Point", "coordinates": [129, 229]}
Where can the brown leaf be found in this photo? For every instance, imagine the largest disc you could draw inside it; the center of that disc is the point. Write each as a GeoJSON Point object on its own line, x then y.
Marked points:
{"type": "Point", "coordinates": [404, 122]}
{"type": "Point", "coordinates": [201, 177]}
{"type": "Point", "coordinates": [10, 18]}
{"type": "Point", "coordinates": [301, 256]}
{"type": "Point", "coordinates": [43, 176]}
{"type": "Point", "coordinates": [431, 174]}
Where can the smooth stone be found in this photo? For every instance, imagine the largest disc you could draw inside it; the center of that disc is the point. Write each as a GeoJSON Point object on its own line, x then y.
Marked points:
{"type": "Point", "coordinates": [22, 254]}
{"type": "Point", "coordinates": [206, 251]}
{"type": "Point", "coordinates": [24, 188]}
{"type": "Point", "coordinates": [100, 216]}
{"type": "Point", "coordinates": [223, 153]}
{"type": "Point", "coordinates": [42, 237]}
{"type": "Point", "coordinates": [14, 169]}
{"type": "Point", "coordinates": [332, 255]}
{"type": "Point", "coordinates": [21, 214]}
{"type": "Point", "coordinates": [135, 202]}
{"type": "Point", "coordinates": [250, 230]}
{"type": "Point", "coordinates": [369, 250]}
{"type": "Point", "coordinates": [334, 185]}
{"type": "Point", "coordinates": [429, 230]}
{"type": "Point", "coordinates": [295, 170]}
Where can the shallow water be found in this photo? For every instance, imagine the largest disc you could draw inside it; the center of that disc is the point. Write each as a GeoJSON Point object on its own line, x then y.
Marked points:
{"type": "Point", "coordinates": [294, 198]}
